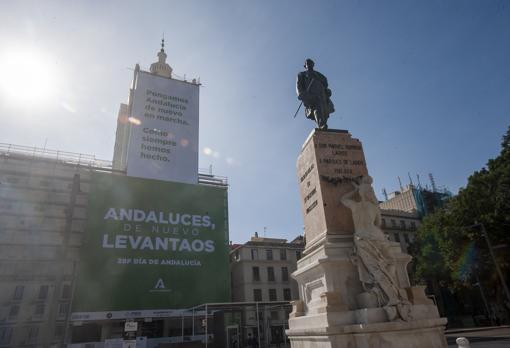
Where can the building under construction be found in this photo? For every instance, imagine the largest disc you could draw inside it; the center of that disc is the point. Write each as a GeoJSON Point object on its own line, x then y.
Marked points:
{"type": "Point", "coordinates": [43, 213]}
{"type": "Point", "coordinates": [415, 199]}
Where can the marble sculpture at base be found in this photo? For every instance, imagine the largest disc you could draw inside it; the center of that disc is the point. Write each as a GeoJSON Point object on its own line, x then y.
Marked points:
{"type": "Point", "coordinates": [353, 283]}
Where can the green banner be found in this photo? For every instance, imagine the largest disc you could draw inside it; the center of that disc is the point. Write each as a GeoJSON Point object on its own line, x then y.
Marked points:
{"type": "Point", "coordinates": [152, 245]}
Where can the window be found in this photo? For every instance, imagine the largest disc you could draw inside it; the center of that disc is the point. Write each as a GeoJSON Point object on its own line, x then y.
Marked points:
{"type": "Point", "coordinates": [6, 206]}
{"type": "Point", "coordinates": [257, 295]}
{"type": "Point", "coordinates": [43, 292]}
{"type": "Point", "coordinates": [254, 254]}
{"type": "Point", "coordinates": [66, 291]}
{"type": "Point", "coordinates": [406, 238]}
{"type": "Point", "coordinates": [383, 223]}
{"type": "Point", "coordinates": [287, 312]}
{"type": "Point", "coordinates": [283, 254]}
{"type": "Point", "coordinates": [256, 274]}
{"type": "Point", "coordinates": [287, 295]}
{"type": "Point", "coordinates": [413, 225]}
{"type": "Point", "coordinates": [270, 274]}
{"type": "Point", "coordinates": [298, 255]}
{"type": "Point", "coordinates": [274, 315]}
{"type": "Point", "coordinates": [393, 223]}
{"type": "Point", "coordinates": [63, 308]}
{"type": "Point", "coordinates": [285, 274]}
{"type": "Point", "coordinates": [39, 309]}
{"type": "Point", "coordinates": [402, 224]}
{"type": "Point", "coordinates": [59, 331]}
{"type": "Point", "coordinates": [5, 335]}
{"type": "Point", "coordinates": [12, 179]}
{"type": "Point", "coordinates": [272, 294]}
{"type": "Point", "coordinates": [397, 237]}
{"type": "Point", "coordinates": [18, 292]}
{"type": "Point", "coordinates": [13, 312]}
{"type": "Point", "coordinates": [269, 254]}
{"type": "Point", "coordinates": [33, 332]}
{"type": "Point", "coordinates": [236, 256]}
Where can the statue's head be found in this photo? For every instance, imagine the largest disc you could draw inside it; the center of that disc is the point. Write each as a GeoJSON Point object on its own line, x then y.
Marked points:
{"type": "Point", "coordinates": [365, 189]}
{"type": "Point", "coordinates": [366, 180]}
{"type": "Point", "coordinates": [309, 64]}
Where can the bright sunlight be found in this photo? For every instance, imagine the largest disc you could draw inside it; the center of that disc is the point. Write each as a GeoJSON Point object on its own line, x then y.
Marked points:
{"type": "Point", "coordinates": [28, 78]}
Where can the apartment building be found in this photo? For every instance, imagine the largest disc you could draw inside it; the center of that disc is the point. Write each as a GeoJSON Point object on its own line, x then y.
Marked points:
{"type": "Point", "coordinates": [400, 226]}
{"type": "Point", "coordinates": [261, 269]}
{"type": "Point", "coordinates": [43, 202]}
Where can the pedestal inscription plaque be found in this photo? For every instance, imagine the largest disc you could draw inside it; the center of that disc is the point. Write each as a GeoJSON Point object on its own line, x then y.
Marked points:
{"type": "Point", "coordinates": [328, 159]}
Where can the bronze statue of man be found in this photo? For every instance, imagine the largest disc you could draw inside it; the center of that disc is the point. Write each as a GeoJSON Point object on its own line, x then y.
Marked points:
{"type": "Point", "coordinates": [312, 89]}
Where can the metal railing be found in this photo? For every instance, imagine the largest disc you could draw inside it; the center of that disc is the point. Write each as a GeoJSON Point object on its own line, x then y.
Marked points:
{"type": "Point", "coordinates": [205, 177]}
{"type": "Point", "coordinates": [8, 150]}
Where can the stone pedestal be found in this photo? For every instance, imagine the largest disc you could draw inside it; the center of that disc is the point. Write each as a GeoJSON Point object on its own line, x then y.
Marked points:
{"type": "Point", "coordinates": [334, 310]}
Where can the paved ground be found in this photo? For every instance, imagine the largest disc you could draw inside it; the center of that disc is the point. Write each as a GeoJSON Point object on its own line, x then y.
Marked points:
{"type": "Point", "coordinates": [490, 337]}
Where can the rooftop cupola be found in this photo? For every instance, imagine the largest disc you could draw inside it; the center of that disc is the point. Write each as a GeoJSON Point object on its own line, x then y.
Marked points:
{"type": "Point", "coordinates": [161, 68]}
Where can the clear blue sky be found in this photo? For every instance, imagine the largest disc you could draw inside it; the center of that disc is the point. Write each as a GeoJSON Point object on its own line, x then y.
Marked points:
{"type": "Point", "coordinates": [425, 85]}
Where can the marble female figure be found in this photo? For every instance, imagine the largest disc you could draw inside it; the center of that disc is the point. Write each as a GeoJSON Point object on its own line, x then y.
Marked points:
{"type": "Point", "coordinates": [372, 247]}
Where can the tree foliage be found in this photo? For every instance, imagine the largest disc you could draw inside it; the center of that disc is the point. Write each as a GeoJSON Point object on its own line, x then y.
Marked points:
{"type": "Point", "coordinates": [450, 244]}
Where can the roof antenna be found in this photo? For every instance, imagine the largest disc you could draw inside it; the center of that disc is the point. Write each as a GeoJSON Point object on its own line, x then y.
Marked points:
{"type": "Point", "coordinates": [410, 179]}
{"type": "Point", "coordinates": [400, 183]}
{"type": "Point", "coordinates": [385, 194]}
{"type": "Point", "coordinates": [418, 178]}
{"type": "Point", "coordinates": [433, 183]}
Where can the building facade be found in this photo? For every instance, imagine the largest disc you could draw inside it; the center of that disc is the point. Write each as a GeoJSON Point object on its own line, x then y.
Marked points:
{"type": "Point", "coordinates": [261, 273]}
{"type": "Point", "coordinates": [43, 204]}
{"type": "Point", "coordinates": [400, 226]}
{"type": "Point", "coordinates": [43, 214]}
{"type": "Point", "coordinates": [261, 268]}
{"type": "Point", "coordinates": [414, 199]}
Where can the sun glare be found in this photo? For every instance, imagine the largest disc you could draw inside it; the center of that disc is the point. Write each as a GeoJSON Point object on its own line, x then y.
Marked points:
{"type": "Point", "coordinates": [27, 77]}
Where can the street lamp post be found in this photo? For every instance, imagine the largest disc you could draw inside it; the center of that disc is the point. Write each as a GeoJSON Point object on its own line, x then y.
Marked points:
{"type": "Point", "coordinates": [482, 293]}
{"type": "Point", "coordinates": [498, 270]}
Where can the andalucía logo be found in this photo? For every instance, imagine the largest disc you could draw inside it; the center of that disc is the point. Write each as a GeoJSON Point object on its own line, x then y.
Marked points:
{"type": "Point", "coordinates": [160, 286]}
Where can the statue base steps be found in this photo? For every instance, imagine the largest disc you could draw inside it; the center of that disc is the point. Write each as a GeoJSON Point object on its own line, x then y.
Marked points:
{"type": "Point", "coordinates": [426, 333]}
